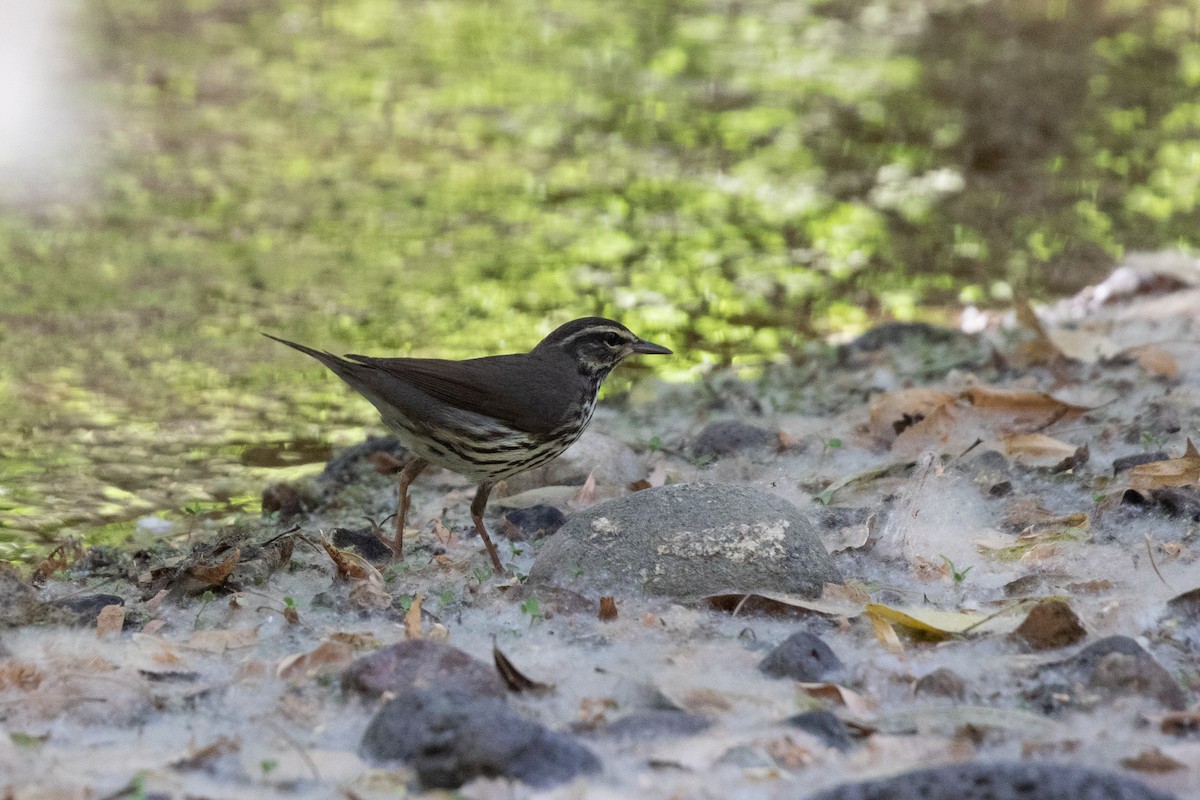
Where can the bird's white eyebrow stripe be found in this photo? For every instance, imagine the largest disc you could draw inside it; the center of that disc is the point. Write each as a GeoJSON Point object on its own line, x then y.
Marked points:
{"type": "Point", "coordinates": [597, 329]}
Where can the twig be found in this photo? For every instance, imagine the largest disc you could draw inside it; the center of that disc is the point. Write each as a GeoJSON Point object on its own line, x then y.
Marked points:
{"type": "Point", "coordinates": [1150, 552]}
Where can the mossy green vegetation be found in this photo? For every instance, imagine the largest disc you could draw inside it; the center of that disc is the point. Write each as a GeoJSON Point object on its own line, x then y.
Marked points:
{"type": "Point", "coordinates": [455, 178]}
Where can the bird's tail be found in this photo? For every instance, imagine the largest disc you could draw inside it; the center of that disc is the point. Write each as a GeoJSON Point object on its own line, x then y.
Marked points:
{"type": "Point", "coordinates": [341, 367]}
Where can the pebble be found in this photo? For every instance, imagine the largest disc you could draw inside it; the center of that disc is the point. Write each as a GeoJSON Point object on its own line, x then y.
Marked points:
{"type": "Point", "coordinates": [824, 725]}
{"type": "Point", "coordinates": [419, 664]}
{"type": "Point", "coordinates": [803, 657]}
{"type": "Point", "coordinates": [450, 737]}
{"type": "Point", "coordinates": [727, 437]}
{"type": "Point", "coordinates": [997, 781]}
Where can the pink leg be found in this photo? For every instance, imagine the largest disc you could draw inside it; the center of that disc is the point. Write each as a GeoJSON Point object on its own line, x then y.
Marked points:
{"type": "Point", "coordinates": [477, 507]}
{"type": "Point", "coordinates": [407, 475]}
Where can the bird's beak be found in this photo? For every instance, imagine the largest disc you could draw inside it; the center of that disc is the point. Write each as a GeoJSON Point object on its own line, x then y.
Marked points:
{"type": "Point", "coordinates": [642, 347]}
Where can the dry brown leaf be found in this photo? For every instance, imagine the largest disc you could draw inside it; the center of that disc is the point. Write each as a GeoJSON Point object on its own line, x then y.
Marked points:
{"type": "Point", "coordinates": [153, 626]}
{"type": "Point", "coordinates": [444, 535]}
{"type": "Point", "coordinates": [59, 559]}
{"type": "Point", "coordinates": [949, 428]}
{"type": "Point", "coordinates": [1036, 449]}
{"type": "Point", "coordinates": [1180, 723]}
{"type": "Point", "coordinates": [788, 754]}
{"type": "Point", "coordinates": [350, 566]}
{"type": "Point", "coordinates": [214, 568]}
{"type": "Point", "coordinates": [359, 641]}
{"type": "Point", "coordinates": [705, 701]}
{"type": "Point", "coordinates": [886, 635]}
{"type": "Point", "coordinates": [856, 703]}
{"type": "Point", "coordinates": [327, 658]}
{"type": "Point", "coordinates": [1152, 760]}
{"type": "Point", "coordinates": [220, 641]}
{"type": "Point", "coordinates": [21, 675]}
{"type": "Point", "coordinates": [1027, 514]}
{"type": "Point", "coordinates": [110, 620]}
{"type": "Point", "coordinates": [513, 678]}
{"type": "Point", "coordinates": [204, 757]}
{"type": "Point", "coordinates": [926, 570]}
{"type": "Point", "coordinates": [1040, 349]}
{"type": "Point", "coordinates": [412, 617]}
{"type": "Point", "coordinates": [1014, 410]}
{"type": "Point", "coordinates": [608, 608]}
{"type": "Point", "coordinates": [1182, 471]}
{"type": "Point", "coordinates": [586, 496]}
{"type": "Point", "coordinates": [1084, 345]}
{"type": "Point", "coordinates": [369, 595]}
{"type": "Point", "coordinates": [894, 412]}
{"type": "Point", "coordinates": [1154, 359]}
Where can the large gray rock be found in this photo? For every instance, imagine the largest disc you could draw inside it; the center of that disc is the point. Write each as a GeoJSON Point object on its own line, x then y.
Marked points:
{"type": "Point", "coordinates": [689, 541]}
{"type": "Point", "coordinates": [1003, 781]}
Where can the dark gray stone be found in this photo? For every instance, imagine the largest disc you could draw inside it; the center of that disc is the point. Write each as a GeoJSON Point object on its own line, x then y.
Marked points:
{"type": "Point", "coordinates": [1119, 665]}
{"type": "Point", "coordinates": [825, 726]}
{"type": "Point", "coordinates": [452, 737]}
{"type": "Point", "coordinates": [1137, 459]}
{"type": "Point", "coordinates": [364, 542]}
{"type": "Point", "coordinates": [535, 522]}
{"type": "Point", "coordinates": [421, 664]}
{"type": "Point", "coordinates": [85, 608]}
{"type": "Point", "coordinates": [351, 464]}
{"type": "Point", "coordinates": [1002, 781]}
{"type": "Point", "coordinates": [689, 541]}
{"type": "Point", "coordinates": [659, 723]}
{"type": "Point", "coordinates": [802, 657]}
{"type": "Point", "coordinates": [731, 436]}
{"type": "Point", "coordinates": [942, 682]}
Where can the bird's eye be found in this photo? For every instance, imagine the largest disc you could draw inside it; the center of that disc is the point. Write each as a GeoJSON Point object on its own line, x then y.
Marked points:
{"type": "Point", "coordinates": [613, 339]}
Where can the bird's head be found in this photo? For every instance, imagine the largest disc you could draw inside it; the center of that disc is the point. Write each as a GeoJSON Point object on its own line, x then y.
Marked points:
{"type": "Point", "coordinates": [597, 345]}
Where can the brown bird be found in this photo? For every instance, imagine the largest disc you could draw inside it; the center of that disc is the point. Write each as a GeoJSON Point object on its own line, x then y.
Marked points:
{"type": "Point", "coordinates": [489, 418]}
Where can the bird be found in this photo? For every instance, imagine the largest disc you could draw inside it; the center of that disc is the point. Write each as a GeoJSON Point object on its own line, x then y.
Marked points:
{"type": "Point", "coordinates": [492, 417]}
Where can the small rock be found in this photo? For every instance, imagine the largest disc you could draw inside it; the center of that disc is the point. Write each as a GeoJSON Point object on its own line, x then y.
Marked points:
{"type": "Point", "coordinates": [552, 600]}
{"type": "Point", "coordinates": [942, 682]}
{"type": "Point", "coordinates": [451, 737]}
{"type": "Point", "coordinates": [1178, 501]}
{"type": "Point", "coordinates": [724, 438]}
{"type": "Point", "coordinates": [747, 756]}
{"type": "Point", "coordinates": [286, 500]}
{"type": "Point", "coordinates": [1116, 665]}
{"type": "Point", "coordinates": [1050, 624]}
{"type": "Point", "coordinates": [535, 522]}
{"type": "Point", "coordinates": [825, 726]}
{"type": "Point", "coordinates": [1137, 459]}
{"type": "Point", "coordinates": [689, 541]}
{"type": "Point", "coordinates": [655, 724]}
{"type": "Point", "coordinates": [610, 461]}
{"type": "Point", "coordinates": [997, 781]}
{"type": "Point", "coordinates": [421, 664]}
{"type": "Point", "coordinates": [353, 463]}
{"type": "Point", "coordinates": [802, 657]}
{"type": "Point", "coordinates": [85, 608]}
{"type": "Point", "coordinates": [364, 542]}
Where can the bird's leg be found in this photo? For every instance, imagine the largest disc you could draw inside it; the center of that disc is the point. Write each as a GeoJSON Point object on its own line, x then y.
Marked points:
{"type": "Point", "coordinates": [409, 474]}
{"type": "Point", "coordinates": [477, 507]}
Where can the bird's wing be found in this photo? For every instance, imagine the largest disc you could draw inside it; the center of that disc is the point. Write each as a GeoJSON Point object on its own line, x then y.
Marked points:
{"type": "Point", "coordinates": [532, 394]}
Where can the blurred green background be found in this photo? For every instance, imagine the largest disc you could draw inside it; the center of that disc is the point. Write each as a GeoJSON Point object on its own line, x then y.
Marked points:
{"type": "Point", "coordinates": [733, 179]}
